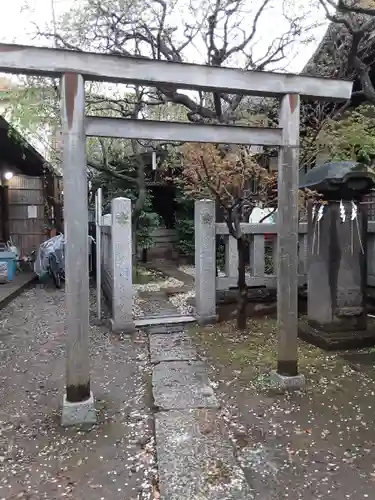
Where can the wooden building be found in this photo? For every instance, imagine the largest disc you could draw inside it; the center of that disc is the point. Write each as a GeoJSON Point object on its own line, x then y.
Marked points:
{"type": "Point", "coordinates": [30, 193]}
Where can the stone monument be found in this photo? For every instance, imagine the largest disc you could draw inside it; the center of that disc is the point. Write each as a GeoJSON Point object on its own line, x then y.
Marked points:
{"type": "Point", "coordinates": [337, 274]}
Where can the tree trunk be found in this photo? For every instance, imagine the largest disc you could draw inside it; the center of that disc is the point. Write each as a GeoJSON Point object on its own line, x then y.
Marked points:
{"type": "Point", "coordinates": [241, 283]}
{"type": "Point", "coordinates": [140, 201]}
{"type": "Point", "coordinates": [134, 245]}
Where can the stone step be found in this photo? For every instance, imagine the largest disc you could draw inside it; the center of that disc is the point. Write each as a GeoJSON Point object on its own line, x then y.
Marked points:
{"type": "Point", "coordinates": [195, 458]}
{"type": "Point", "coordinates": [163, 320]}
{"type": "Point", "coordinates": [177, 346]}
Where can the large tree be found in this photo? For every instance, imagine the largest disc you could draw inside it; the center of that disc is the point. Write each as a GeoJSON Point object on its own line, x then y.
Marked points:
{"type": "Point", "coordinates": [237, 183]}
{"type": "Point", "coordinates": [219, 33]}
{"type": "Point", "coordinates": [348, 48]}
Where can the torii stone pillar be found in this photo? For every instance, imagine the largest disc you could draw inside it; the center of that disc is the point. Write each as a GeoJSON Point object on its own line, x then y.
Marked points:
{"type": "Point", "coordinates": [286, 375]}
{"type": "Point", "coordinates": [78, 403]}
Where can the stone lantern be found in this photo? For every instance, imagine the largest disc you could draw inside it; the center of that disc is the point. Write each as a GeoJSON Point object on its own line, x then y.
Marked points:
{"type": "Point", "coordinates": [337, 274]}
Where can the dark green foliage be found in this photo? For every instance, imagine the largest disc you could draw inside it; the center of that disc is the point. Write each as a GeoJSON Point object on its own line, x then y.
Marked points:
{"type": "Point", "coordinates": [148, 220]}
{"type": "Point", "coordinates": [185, 225]}
{"type": "Point", "coordinates": [185, 231]}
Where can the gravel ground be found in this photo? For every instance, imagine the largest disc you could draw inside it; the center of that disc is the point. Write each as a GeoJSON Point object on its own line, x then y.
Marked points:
{"type": "Point", "coordinates": [308, 445]}
{"type": "Point", "coordinates": [190, 270]}
{"type": "Point", "coordinates": [40, 460]}
{"type": "Point", "coordinates": [180, 302]}
{"type": "Point", "coordinates": [141, 307]}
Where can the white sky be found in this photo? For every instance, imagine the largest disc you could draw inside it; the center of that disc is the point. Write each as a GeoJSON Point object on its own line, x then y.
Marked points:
{"type": "Point", "coordinates": [17, 25]}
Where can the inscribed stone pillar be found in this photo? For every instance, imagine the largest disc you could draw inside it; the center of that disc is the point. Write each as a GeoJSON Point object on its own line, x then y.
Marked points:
{"type": "Point", "coordinates": [205, 261]}
{"type": "Point", "coordinates": [337, 269]}
{"type": "Point", "coordinates": [122, 289]}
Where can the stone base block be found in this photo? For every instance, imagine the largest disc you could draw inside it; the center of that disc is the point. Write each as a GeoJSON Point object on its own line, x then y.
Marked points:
{"type": "Point", "coordinates": [82, 413]}
{"type": "Point", "coordinates": [286, 383]}
{"type": "Point", "coordinates": [128, 327]}
{"type": "Point", "coordinates": [207, 320]}
{"type": "Point", "coordinates": [340, 340]}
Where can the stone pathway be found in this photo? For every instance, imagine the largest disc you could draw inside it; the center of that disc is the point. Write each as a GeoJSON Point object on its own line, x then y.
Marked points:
{"type": "Point", "coordinates": [153, 398]}
{"type": "Point", "coordinates": [195, 456]}
{"type": "Point", "coordinates": [169, 268]}
{"type": "Point", "coordinates": [168, 297]}
{"type": "Point", "coordinates": [156, 304]}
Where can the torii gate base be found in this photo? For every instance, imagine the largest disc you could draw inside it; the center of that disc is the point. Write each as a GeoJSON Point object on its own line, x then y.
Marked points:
{"type": "Point", "coordinates": [74, 68]}
{"type": "Point", "coordinates": [81, 413]}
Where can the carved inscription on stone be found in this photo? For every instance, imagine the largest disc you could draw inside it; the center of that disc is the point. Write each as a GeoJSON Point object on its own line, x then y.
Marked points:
{"type": "Point", "coordinates": [207, 218]}
{"type": "Point", "coordinates": [122, 218]}
{"type": "Point", "coordinates": [349, 301]}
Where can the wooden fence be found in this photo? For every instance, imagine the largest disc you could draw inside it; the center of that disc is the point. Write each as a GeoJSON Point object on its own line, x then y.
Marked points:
{"type": "Point", "coordinates": [263, 255]}
{"type": "Point", "coordinates": [26, 212]}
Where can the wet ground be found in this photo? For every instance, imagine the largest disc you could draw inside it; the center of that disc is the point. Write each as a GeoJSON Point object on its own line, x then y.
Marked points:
{"type": "Point", "coordinates": [39, 459]}
{"type": "Point", "coordinates": [307, 445]}
{"type": "Point", "coordinates": [318, 443]}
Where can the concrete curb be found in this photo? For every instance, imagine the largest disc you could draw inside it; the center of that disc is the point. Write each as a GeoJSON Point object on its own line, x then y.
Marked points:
{"type": "Point", "coordinates": [18, 291]}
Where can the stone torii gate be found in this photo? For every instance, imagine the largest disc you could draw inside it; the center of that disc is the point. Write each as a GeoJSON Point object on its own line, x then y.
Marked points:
{"type": "Point", "coordinates": [74, 68]}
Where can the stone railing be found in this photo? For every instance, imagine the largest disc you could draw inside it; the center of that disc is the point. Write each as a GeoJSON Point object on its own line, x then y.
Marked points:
{"type": "Point", "coordinates": [262, 257]}
{"type": "Point", "coordinates": [116, 263]}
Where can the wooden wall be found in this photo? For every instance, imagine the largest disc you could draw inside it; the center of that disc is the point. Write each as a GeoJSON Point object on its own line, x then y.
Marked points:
{"type": "Point", "coordinates": [26, 212]}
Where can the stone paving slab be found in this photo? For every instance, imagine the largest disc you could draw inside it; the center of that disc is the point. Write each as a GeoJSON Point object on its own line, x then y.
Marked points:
{"type": "Point", "coordinates": [172, 347]}
{"type": "Point", "coordinates": [195, 458]}
{"type": "Point", "coordinates": [159, 306]}
{"type": "Point", "coordinates": [181, 385]}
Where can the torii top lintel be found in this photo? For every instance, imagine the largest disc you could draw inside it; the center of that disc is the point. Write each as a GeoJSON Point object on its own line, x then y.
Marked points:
{"type": "Point", "coordinates": [52, 62]}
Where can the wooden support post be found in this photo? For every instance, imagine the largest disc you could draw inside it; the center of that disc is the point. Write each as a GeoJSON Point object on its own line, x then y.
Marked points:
{"type": "Point", "coordinates": [287, 263]}
{"type": "Point", "coordinates": [78, 404]}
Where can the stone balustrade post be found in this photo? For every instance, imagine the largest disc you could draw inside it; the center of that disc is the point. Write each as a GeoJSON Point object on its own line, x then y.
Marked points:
{"type": "Point", "coordinates": [205, 261]}
{"type": "Point", "coordinates": [231, 257]}
{"type": "Point", "coordinates": [122, 287]}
